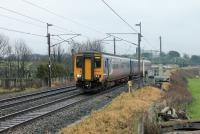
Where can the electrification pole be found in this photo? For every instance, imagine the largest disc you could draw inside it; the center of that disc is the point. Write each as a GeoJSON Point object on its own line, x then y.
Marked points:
{"type": "Point", "coordinates": [114, 41]}
{"type": "Point", "coordinates": [160, 62]}
{"type": "Point", "coordinates": [139, 51]}
{"type": "Point", "coordinates": [49, 54]}
{"type": "Point", "coordinates": [160, 38]}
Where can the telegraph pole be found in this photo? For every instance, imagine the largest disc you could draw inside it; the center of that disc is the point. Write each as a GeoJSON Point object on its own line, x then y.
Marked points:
{"type": "Point", "coordinates": [160, 38]}
{"type": "Point", "coordinates": [139, 51]}
{"type": "Point", "coordinates": [49, 54]}
{"type": "Point", "coordinates": [114, 41]}
{"type": "Point", "coordinates": [160, 62]}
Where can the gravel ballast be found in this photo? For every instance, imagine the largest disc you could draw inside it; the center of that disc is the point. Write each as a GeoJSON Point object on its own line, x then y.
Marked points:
{"type": "Point", "coordinates": [37, 102]}
{"type": "Point", "coordinates": [54, 122]}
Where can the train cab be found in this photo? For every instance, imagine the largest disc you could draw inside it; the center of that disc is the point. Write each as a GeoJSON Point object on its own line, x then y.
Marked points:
{"type": "Point", "coordinates": [88, 69]}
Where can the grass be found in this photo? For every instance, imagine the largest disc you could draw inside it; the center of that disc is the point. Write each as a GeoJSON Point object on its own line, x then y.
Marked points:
{"type": "Point", "coordinates": [194, 107]}
{"type": "Point", "coordinates": [121, 116]}
{"type": "Point", "coordinates": [15, 90]}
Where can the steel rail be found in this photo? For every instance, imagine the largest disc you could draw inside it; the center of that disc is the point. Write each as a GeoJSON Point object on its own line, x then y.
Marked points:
{"type": "Point", "coordinates": [17, 118]}
{"type": "Point", "coordinates": [5, 106]}
{"type": "Point", "coordinates": [33, 94]}
{"type": "Point", "coordinates": [4, 126]}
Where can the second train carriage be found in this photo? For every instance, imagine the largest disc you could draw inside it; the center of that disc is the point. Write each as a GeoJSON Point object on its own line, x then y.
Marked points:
{"type": "Point", "coordinates": [93, 69]}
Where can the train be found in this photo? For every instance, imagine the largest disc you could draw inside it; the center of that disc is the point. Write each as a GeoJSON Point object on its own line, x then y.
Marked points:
{"type": "Point", "coordinates": [97, 69]}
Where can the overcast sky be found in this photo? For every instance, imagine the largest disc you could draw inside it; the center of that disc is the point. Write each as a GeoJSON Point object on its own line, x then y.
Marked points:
{"type": "Point", "coordinates": [177, 21]}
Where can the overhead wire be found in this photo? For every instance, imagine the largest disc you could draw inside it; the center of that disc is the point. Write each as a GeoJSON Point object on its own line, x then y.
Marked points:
{"type": "Point", "coordinates": [119, 16]}
{"type": "Point", "coordinates": [26, 16]}
{"type": "Point", "coordinates": [41, 21]}
{"type": "Point", "coordinates": [61, 16]}
{"type": "Point", "coordinates": [123, 39]}
{"type": "Point", "coordinates": [145, 39]}
{"type": "Point", "coordinates": [32, 18]}
{"type": "Point", "coordinates": [22, 21]}
{"type": "Point", "coordinates": [22, 32]}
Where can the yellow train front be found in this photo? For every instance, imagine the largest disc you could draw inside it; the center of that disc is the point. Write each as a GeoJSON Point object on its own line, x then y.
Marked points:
{"type": "Point", "coordinates": [88, 70]}
{"type": "Point", "coordinates": [96, 69]}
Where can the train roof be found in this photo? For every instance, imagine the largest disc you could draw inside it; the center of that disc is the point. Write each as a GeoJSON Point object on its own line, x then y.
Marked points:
{"type": "Point", "coordinates": [96, 52]}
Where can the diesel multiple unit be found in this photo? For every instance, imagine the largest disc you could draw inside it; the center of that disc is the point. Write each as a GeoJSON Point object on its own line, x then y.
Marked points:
{"type": "Point", "coordinates": [94, 69]}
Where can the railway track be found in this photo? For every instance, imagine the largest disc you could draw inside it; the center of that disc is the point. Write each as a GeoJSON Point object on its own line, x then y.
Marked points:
{"type": "Point", "coordinates": [21, 117]}
{"type": "Point", "coordinates": [7, 103]}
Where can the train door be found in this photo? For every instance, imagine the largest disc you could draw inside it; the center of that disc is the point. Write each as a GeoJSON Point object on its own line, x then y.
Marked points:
{"type": "Point", "coordinates": [107, 67]}
{"type": "Point", "coordinates": [88, 68]}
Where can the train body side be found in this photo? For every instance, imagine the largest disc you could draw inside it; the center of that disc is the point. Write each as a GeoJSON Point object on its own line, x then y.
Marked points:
{"type": "Point", "coordinates": [92, 69]}
{"type": "Point", "coordinates": [115, 68]}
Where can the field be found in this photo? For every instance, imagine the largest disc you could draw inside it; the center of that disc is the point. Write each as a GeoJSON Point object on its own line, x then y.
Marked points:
{"type": "Point", "coordinates": [194, 107]}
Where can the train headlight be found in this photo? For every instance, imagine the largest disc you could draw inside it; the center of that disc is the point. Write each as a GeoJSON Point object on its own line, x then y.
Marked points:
{"type": "Point", "coordinates": [78, 75]}
{"type": "Point", "coordinates": [98, 76]}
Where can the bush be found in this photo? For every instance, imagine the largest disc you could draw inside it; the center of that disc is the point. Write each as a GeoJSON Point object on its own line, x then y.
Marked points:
{"type": "Point", "coordinates": [178, 96]}
{"type": "Point", "coordinates": [57, 71]}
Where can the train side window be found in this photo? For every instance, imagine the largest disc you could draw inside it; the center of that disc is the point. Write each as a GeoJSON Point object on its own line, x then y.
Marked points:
{"type": "Point", "coordinates": [97, 62]}
{"type": "Point", "coordinates": [79, 61]}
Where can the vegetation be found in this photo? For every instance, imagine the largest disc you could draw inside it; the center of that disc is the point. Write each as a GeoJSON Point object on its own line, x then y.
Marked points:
{"type": "Point", "coordinates": [15, 90]}
{"type": "Point", "coordinates": [120, 117]}
{"type": "Point", "coordinates": [58, 71]}
{"type": "Point", "coordinates": [194, 107]}
{"type": "Point", "coordinates": [178, 96]}
{"type": "Point", "coordinates": [19, 68]}
{"type": "Point", "coordinates": [87, 46]}
{"type": "Point", "coordinates": [172, 57]}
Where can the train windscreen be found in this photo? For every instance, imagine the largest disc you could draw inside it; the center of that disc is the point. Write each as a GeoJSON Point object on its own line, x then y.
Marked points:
{"type": "Point", "coordinates": [79, 62]}
{"type": "Point", "coordinates": [97, 62]}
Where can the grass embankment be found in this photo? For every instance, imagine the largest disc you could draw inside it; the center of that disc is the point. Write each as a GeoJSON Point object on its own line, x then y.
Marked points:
{"type": "Point", "coordinates": [15, 90]}
{"type": "Point", "coordinates": [194, 107]}
{"type": "Point", "coordinates": [119, 117]}
{"type": "Point", "coordinates": [178, 96]}
{"type": "Point", "coordinates": [55, 84]}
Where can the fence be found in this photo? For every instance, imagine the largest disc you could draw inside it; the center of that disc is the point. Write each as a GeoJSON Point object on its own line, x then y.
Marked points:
{"type": "Point", "coordinates": [8, 83]}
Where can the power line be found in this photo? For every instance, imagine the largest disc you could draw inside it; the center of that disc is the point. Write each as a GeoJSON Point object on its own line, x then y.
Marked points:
{"type": "Point", "coordinates": [21, 32]}
{"type": "Point", "coordinates": [31, 18]}
{"type": "Point", "coordinates": [15, 12]}
{"type": "Point", "coordinates": [38, 20]}
{"type": "Point", "coordinates": [22, 21]}
{"type": "Point", "coordinates": [123, 39]}
{"type": "Point", "coordinates": [119, 16]}
{"type": "Point", "coordinates": [147, 41]}
{"type": "Point", "coordinates": [63, 40]}
{"type": "Point", "coordinates": [61, 16]}
{"type": "Point", "coordinates": [39, 26]}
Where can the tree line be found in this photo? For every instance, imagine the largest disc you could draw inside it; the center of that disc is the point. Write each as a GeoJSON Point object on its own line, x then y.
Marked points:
{"type": "Point", "coordinates": [19, 67]}
{"type": "Point", "coordinates": [173, 57]}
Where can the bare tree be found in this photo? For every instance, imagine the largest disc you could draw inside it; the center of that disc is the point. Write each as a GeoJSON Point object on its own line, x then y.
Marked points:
{"type": "Point", "coordinates": [58, 54]}
{"type": "Point", "coordinates": [9, 59]}
{"type": "Point", "coordinates": [87, 46]}
{"type": "Point", "coordinates": [22, 53]}
{"type": "Point", "coordinates": [4, 42]}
